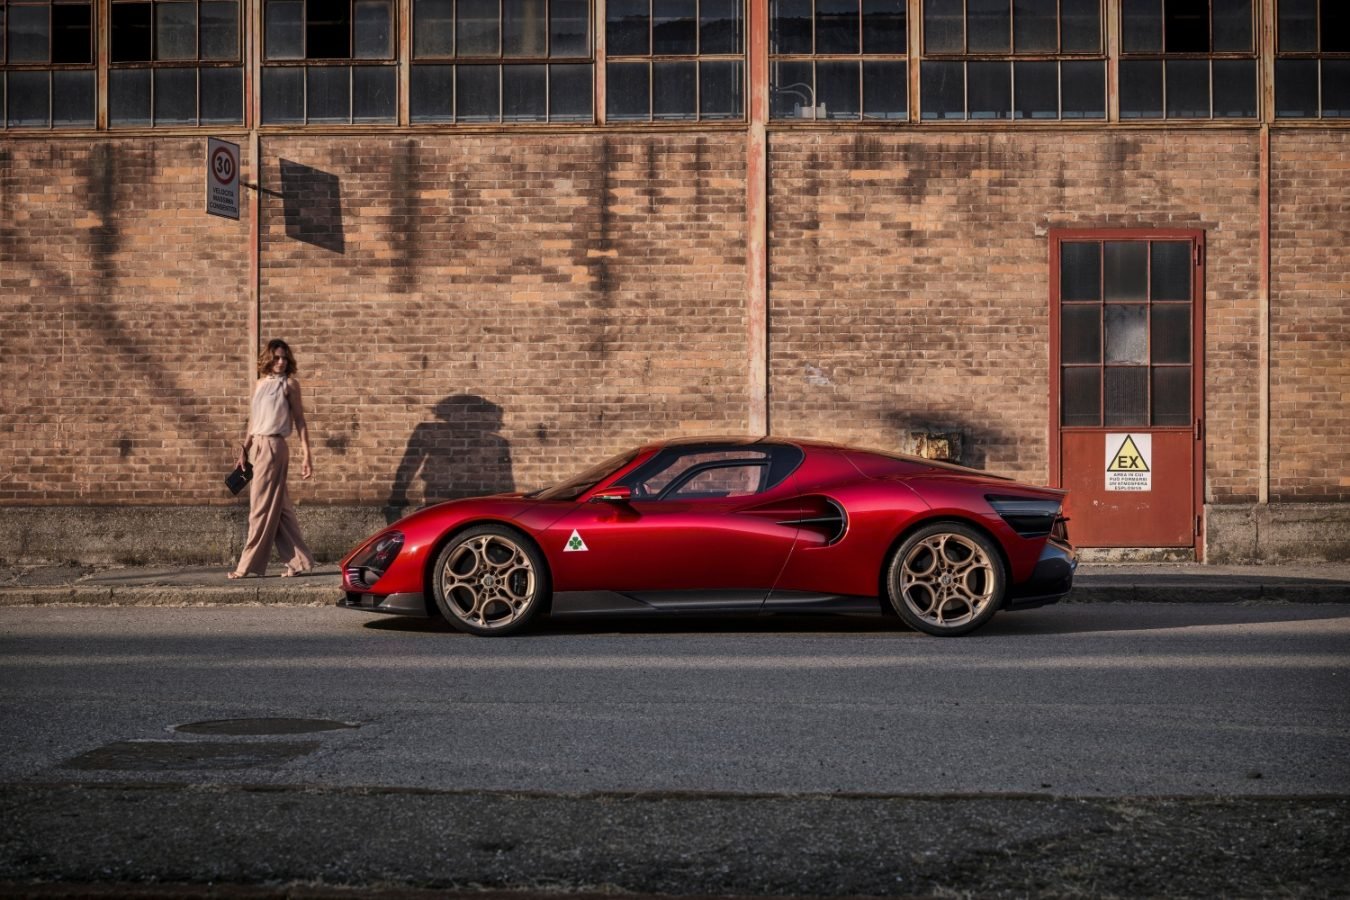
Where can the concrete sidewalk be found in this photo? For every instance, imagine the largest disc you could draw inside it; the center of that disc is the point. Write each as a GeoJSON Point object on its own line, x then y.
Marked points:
{"type": "Point", "coordinates": [1311, 582]}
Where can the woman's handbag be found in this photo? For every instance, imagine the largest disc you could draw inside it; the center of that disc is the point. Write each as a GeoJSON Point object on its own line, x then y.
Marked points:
{"type": "Point", "coordinates": [237, 480]}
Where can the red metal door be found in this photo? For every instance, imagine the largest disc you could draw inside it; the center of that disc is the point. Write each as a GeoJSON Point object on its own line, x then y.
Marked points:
{"type": "Point", "coordinates": [1126, 385]}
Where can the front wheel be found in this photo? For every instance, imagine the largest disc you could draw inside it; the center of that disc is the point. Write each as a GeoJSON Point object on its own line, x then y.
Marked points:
{"type": "Point", "coordinates": [946, 579]}
{"type": "Point", "coordinates": [490, 580]}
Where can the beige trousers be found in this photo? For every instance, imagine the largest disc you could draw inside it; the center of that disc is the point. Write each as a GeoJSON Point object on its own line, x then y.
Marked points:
{"type": "Point", "coordinates": [271, 516]}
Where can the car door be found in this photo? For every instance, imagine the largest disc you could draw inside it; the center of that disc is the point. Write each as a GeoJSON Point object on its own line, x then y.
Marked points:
{"type": "Point", "coordinates": [697, 528]}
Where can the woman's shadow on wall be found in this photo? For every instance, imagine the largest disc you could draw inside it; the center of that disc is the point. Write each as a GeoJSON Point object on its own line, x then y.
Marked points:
{"type": "Point", "coordinates": [460, 453]}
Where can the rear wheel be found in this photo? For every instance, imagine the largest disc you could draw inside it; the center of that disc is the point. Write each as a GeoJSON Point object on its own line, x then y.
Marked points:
{"type": "Point", "coordinates": [490, 580]}
{"type": "Point", "coordinates": [946, 579]}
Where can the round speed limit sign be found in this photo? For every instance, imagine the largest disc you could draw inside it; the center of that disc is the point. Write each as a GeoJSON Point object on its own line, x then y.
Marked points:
{"type": "Point", "coordinates": [223, 165]}
{"type": "Point", "coordinates": [222, 178]}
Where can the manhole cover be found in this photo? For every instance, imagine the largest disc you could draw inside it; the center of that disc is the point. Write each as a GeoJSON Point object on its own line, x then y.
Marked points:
{"type": "Point", "coordinates": [159, 756]}
{"type": "Point", "coordinates": [240, 727]}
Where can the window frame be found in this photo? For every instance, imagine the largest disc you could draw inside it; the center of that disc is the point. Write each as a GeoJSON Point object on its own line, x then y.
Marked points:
{"type": "Point", "coordinates": [1317, 58]}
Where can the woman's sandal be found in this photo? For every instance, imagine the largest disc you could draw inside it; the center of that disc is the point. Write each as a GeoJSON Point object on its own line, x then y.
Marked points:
{"type": "Point", "coordinates": [233, 575]}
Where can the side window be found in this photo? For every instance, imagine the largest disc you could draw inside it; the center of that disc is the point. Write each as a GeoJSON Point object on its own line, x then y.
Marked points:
{"type": "Point", "coordinates": [716, 480]}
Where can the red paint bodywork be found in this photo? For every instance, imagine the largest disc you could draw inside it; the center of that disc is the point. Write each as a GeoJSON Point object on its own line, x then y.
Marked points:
{"type": "Point", "coordinates": [729, 543]}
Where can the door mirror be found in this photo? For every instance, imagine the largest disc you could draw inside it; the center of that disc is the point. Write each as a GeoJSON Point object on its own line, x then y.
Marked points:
{"type": "Point", "coordinates": [618, 493]}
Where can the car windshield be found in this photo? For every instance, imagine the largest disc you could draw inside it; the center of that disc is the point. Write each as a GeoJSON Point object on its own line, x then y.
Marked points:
{"type": "Point", "coordinates": [574, 487]}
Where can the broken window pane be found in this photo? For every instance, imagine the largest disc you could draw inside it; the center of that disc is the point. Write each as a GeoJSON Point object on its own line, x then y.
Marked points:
{"type": "Point", "coordinates": [72, 38]}
{"type": "Point", "coordinates": [131, 33]}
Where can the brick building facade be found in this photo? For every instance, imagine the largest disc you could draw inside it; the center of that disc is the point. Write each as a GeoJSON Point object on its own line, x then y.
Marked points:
{"type": "Point", "coordinates": [480, 305]}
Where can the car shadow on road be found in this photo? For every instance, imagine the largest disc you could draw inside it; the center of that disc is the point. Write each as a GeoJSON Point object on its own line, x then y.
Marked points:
{"type": "Point", "coordinates": [1051, 620]}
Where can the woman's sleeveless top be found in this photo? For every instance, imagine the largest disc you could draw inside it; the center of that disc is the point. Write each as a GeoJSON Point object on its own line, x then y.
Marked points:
{"type": "Point", "coordinates": [271, 410]}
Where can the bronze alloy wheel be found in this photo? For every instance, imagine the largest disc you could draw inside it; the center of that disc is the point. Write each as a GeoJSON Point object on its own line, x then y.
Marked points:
{"type": "Point", "coordinates": [489, 580]}
{"type": "Point", "coordinates": [947, 579]}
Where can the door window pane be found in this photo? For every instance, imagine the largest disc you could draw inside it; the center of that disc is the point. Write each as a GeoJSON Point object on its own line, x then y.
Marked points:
{"type": "Point", "coordinates": [1080, 271]}
{"type": "Point", "coordinates": [1081, 400]}
{"type": "Point", "coordinates": [1172, 396]}
{"type": "Point", "coordinates": [1170, 271]}
{"type": "Point", "coordinates": [1126, 337]}
{"type": "Point", "coordinates": [1080, 333]}
{"type": "Point", "coordinates": [1171, 331]}
{"type": "Point", "coordinates": [1126, 270]}
{"type": "Point", "coordinates": [1126, 396]}
{"type": "Point", "coordinates": [837, 26]}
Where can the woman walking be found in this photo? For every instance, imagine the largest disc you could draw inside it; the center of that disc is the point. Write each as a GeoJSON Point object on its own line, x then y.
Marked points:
{"type": "Point", "coordinates": [276, 410]}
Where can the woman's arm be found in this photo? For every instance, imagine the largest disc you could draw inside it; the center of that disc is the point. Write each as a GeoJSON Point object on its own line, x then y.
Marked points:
{"type": "Point", "coordinates": [248, 435]}
{"type": "Point", "coordinates": [301, 429]}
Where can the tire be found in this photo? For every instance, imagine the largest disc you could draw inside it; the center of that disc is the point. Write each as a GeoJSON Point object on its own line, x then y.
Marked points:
{"type": "Point", "coordinates": [946, 579]}
{"type": "Point", "coordinates": [490, 580]}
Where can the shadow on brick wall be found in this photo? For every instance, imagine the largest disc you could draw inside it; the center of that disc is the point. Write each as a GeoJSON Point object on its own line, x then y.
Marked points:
{"type": "Point", "coordinates": [312, 205]}
{"type": "Point", "coordinates": [460, 453]}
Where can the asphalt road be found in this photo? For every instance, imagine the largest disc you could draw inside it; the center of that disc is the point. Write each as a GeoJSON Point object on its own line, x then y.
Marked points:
{"type": "Point", "coordinates": [1106, 749]}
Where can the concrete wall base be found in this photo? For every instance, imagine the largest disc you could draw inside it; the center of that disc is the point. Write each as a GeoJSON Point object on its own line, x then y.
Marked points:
{"type": "Point", "coordinates": [165, 535]}
{"type": "Point", "coordinates": [1273, 532]}
{"type": "Point", "coordinates": [214, 535]}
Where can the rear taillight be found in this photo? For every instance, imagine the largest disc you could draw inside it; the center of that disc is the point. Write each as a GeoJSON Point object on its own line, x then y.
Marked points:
{"type": "Point", "coordinates": [1028, 516]}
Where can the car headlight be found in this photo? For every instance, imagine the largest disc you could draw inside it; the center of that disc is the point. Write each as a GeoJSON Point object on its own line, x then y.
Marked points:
{"type": "Point", "coordinates": [1028, 517]}
{"type": "Point", "coordinates": [370, 566]}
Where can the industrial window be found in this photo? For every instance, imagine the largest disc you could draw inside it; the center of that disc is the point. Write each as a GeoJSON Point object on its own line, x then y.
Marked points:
{"type": "Point", "coordinates": [1013, 59]}
{"type": "Point", "coordinates": [1125, 345]}
{"type": "Point", "coordinates": [329, 61]}
{"type": "Point", "coordinates": [1187, 59]}
{"type": "Point", "coordinates": [1312, 66]}
{"type": "Point", "coordinates": [838, 59]}
{"type": "Point", "coordinates": [502, 61]}
{"type": "Point", "coordinates": [675, 60]}
{"type": "Point", "coordinates": [47, 76]}
{"type": "Point", "coordinates": [174, 62]}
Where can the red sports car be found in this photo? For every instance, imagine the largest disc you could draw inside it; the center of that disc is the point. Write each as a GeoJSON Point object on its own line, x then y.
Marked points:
{"type": "Point", "coordinates": [738, 525]}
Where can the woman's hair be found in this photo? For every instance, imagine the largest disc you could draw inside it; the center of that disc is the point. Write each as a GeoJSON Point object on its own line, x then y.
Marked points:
{"type": "Point", "coordinates": [265, 358]}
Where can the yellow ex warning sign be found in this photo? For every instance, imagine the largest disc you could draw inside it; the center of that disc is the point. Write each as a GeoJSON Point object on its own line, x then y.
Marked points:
{"type": "Point", "coordinates": [1129, 462]}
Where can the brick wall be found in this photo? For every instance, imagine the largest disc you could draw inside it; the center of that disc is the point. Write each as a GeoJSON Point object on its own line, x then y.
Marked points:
{"type": "Point", "coordinates": [120, 306]}
{"type": "Point", "coordinates": [909, 280]}
{"type": "Point", "coordinates": [1310, 315]}
{"type": "Point", "coordinates": [476, 314]}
